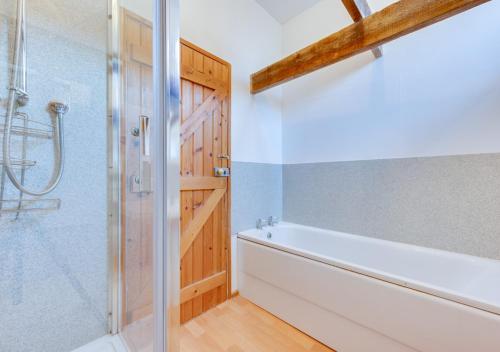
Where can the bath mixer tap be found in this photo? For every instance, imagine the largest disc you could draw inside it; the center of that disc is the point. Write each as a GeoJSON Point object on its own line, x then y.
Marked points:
{"type": "Point", "coordinates": [261, 223]}
{"type": "Point", "coordinates": [273, 220]}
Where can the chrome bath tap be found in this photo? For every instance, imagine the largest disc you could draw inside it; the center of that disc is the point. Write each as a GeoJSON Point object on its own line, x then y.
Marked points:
{"type": "Point", "coordinates": [261, 223]}
{"type": "Point", "coordinates": [273, 220]}
{"type": "Point", "coordinates": [270, 221]}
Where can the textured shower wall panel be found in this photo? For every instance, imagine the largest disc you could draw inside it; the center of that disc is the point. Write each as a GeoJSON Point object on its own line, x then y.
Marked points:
{"type": "Point", "coordinates": [53, 267]}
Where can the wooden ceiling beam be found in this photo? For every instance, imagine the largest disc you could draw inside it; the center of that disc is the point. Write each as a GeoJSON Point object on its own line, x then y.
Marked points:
{"type": "Point", "coordinates": [396, 20]}
{"type": "Point", "coordinates": [359, 9]}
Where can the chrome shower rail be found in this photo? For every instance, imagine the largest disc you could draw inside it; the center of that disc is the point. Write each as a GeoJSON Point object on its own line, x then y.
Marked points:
{"type": "Point", "coordinates": [19, 97]}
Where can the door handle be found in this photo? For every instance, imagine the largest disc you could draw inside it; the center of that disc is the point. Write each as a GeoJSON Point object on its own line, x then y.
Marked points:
{"type": "Point", "coordinates": [142, 181]}
{"type": "Point", "coordinates": [145, 123]}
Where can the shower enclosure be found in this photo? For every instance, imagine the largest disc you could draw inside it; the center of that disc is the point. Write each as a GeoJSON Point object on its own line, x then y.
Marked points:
{"type": "Point", "coordinates": [88, 256]}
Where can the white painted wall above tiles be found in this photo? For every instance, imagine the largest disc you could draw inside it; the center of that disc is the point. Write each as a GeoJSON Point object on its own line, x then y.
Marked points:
{"type": "Point", "coordinates": [141, 8]}
{"type": "Point", "coordinates": [435, 92]}
{"type": "Point", "coordinates": [244, 34]}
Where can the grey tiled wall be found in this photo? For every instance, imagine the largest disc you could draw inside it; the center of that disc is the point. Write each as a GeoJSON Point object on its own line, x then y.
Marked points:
{"type": "Point", "coordinates": [450, 203]}
{"type": "Point", "coordinates": [256, 193]}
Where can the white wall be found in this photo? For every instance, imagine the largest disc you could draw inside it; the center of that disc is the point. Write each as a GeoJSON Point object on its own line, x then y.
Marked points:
{"type": "Point", "coordinates": [144, 8]}
{"type": "Point", "coordinates": [242, 33]}
{"type": "Point", "coordinates": [435, 92]}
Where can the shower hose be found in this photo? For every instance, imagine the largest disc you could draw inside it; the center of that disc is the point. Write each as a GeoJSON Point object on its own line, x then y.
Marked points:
{"type": "Point", "coordinates": [17, 97]}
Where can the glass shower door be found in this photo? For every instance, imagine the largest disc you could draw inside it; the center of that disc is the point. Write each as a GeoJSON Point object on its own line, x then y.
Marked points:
{"type": "Point", "coordinates": [145, 138]}
{"type": "Point", "coordinates": [88, 207]}
{"type": "Point", "coordinates": [136, 37]}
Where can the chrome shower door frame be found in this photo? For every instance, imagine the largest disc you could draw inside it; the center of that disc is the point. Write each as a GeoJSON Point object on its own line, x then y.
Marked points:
{"type": "Point", "coordinates": [166, 144]}
{"type": "Point", "coordinates": [166, 141]}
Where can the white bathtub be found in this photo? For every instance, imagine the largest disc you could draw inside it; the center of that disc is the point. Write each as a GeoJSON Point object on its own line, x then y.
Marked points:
{"type": "Point", "coordinates": [358, 294]}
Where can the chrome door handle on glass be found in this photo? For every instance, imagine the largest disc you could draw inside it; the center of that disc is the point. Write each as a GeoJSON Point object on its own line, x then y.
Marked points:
{"type": "Point", "coordinates": [145, 123]}
{"type": "Point", "coordinates": [141, 182]}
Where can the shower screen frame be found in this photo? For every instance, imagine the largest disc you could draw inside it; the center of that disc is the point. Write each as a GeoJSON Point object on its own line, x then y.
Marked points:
{"type": "Point", "coordinates": [166, 143]}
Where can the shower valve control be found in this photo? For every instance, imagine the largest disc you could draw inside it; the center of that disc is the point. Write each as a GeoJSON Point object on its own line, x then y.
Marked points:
{"type": "Point", "coordinates": [222, 172]}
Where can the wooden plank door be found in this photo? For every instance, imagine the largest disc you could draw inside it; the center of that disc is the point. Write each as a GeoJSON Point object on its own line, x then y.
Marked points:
{"type": "Point", "coordinates": [137, 168]}
{"type": "Point", "coordinates": [205, 139]}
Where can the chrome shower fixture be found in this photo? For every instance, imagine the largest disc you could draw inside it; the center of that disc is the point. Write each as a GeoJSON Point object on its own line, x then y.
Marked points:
{"type": "Point", "coordinates": [18, 97]}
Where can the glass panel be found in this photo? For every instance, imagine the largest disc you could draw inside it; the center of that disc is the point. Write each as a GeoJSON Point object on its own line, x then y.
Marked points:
{"type": "Point", "coordinates": [137, 124]}
{"type": "Point", "coordinates": [149, 136]}
{"type": "Point", "coordinates": [76, 247]}
{"type": "Point", "coordinates": [53, 247]}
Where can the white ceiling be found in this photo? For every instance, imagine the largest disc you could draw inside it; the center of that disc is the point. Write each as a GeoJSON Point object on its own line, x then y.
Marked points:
{"type": "Point", "coordinates": [283, 10]}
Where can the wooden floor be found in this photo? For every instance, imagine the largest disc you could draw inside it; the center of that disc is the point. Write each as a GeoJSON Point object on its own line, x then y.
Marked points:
{"type": "Point", "coordinates": [238, 325]}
